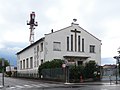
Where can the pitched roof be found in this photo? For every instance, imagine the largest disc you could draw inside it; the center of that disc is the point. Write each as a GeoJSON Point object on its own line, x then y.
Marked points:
{"type": "Point", "coordinates": [71, 26]}
{"type": "Point", "coordinates": [41, 39]}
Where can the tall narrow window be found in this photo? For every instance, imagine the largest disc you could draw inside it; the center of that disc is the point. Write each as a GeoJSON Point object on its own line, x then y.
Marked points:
{"type": "Point", "coordinates": [41, 47]}
{"type": "Point", "coordinates": [41, 61]}
{"type": "Point", "coordinates": [67, 43]}
{"type": "Point", "coordinates": [38, 48]}
{"type": "Point", "coordinates": [27, 65]}
{"type": "Point", "coordinates": [20, 64]}
{"type": "Point", "coordinates": [37, 63]}
{"type": "Point", "coordinates": [31, 62]}
{"type": "Point", "coordinates": [79, 43]}
{"type": "Point", "coordinates": [35, 50]}
{"type": "Point", "coordinates": [82, 44]}
{"type": "Point", "coordinates": [23, 64]}
{"type": "Point", "coordinates": [71, 42]}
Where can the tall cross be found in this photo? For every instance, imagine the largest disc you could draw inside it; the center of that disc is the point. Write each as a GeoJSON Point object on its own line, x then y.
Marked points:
{"type": "Point", "coordinates": [75, 31]}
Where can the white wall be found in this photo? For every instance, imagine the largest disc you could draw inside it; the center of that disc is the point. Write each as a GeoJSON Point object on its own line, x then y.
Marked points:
{"type": "Point", "coordinates": [30, 53]}
{"type": "Point", "coordinates": [61, 36]}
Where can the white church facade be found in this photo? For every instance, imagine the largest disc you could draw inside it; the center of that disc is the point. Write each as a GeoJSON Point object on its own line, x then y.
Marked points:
{"type": "Point", "coordinates": [72, 44]}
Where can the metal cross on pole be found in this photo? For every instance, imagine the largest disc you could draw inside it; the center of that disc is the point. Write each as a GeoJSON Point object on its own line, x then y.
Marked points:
{"type": "Point", "coordinates": [75, 31]}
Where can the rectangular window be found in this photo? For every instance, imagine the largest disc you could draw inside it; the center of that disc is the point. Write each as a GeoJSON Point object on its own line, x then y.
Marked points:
{"type": "Point", "coordinates": [35, 50]}
{"type": "Point", "coordinates": [67, 43]}
{"type": "Point", "coordinates": [23, 64]}
{"type": "Point", "coordinates": [38, 48]}
{"type": "Point", "coordinates": [41, 61]}
{"type": "Point", "coordinates": [82, 44]}
{"type": "Point", "coordinates": [79, 43]}
{"type": "Point", "coordinates": [71, 42]}
{"type": "Point", "coordinates": [20, 64]}
{"type": "Point", "coordinates": [31, 62]}
{"type": "Point", "coordinates": [27, 63]}
{"type": "Point", "coordinates": [41, 47]}
{"type": "Point", "coordinates": [92, 48]}
{"type": "Point", "coordinates": [56, 46]}
{"type": "Point", "coordinates": [37, 63]}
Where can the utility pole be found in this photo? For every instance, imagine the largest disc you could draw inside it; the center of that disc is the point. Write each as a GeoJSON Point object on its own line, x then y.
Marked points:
{"type": "Point", "coordinates": [32, 24]}
{"type": "Point", "coordinates": [117, 62]}
{"type": "Point", "coordinates": [3, 64]}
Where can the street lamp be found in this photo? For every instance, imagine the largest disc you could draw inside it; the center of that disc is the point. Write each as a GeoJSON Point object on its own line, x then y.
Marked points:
{"type": "Point", "coordinates": [117, 61]}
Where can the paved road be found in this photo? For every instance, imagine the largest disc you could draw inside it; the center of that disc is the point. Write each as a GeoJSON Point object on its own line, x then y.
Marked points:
{"type": "Point", "coordinates": [85, 87]}
{"type": "Point", "coordinates": [29, 84]}
{"type": "Point", "coordinates": [20, 83]}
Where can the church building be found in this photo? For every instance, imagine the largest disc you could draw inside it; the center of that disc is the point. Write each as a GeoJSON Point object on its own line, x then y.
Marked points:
{"type": "Point", "coordinates": [72, 44]}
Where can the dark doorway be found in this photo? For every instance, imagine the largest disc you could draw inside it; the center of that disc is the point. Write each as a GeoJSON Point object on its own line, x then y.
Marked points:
{"type": "Point", "coordinates": [80, 62]}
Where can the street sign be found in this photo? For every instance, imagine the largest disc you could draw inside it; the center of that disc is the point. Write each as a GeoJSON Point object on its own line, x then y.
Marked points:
{"type": "Point", "coordinates": [63, 65]}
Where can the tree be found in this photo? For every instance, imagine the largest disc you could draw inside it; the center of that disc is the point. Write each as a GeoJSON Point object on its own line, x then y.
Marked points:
{"type": "Point", "coordinates": [76, 72]}
{"type": "Point", "coordinates": [56, 63]}
{"type": "Point", "coordinates": [6, 63]}
{"type": "Point", "coordinates": [90, 68]}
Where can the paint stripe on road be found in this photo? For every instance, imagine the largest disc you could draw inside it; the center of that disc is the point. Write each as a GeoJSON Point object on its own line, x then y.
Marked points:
{"type": "Point", "coordinates": [19, 86]}
{"type": "Point", "coordinates": [43, 85]}
{"type": "Point", "coordinates": [12, 87]}
{"type": "Point", "coordinates": [28, 86]}
{"type": "Point", "coordinates": [36, 85]}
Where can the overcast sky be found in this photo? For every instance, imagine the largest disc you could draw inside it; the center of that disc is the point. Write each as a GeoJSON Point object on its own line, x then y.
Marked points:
{"type": "Point", "coordinates": [99, 17]}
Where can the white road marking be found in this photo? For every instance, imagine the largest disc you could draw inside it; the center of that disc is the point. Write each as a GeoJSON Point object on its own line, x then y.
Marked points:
{"type": "Point", "coordinates": [36, 85]}
{"type": "Point", "coordinates": [43, 85]}
{"type": "Point", "coordinates": [19, 86]}
{"type": "Point", "coordinates": [12, 87]}
{"type": "Point", "coordinates": [28, 86]}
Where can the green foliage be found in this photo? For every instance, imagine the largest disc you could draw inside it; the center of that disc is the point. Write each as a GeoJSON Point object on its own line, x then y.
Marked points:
{"type": "Point", "coordinates": [56, 63]}
{"type": "Point", "coordinates": [6, 63]}
{"type": "Point", "coordinates": [76, 72]}
{"type": "Point", "coordinates": [86, 71]}
{"type": "Point", "coordinates": [9, 73]}
{"type": "Point", "coordinates": [90, 68]}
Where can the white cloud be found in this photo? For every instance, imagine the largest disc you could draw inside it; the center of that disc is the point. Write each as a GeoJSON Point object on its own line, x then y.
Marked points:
{"type": "Point", "coordinates": [16, 36]}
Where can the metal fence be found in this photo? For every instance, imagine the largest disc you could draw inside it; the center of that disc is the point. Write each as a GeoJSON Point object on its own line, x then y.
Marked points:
{"type": "Point", "coordinates": [54, 74]}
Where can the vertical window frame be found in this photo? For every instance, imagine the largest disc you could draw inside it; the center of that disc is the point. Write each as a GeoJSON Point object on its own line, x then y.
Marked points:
{"type": "Point", "coordinates": [67, 43]}
{"type": "Point", "coordinates": [71, 42]}
{"type": "Point", "coordinates": [83, 43]}
{"type": "Point", "coordinates": [79, 42]}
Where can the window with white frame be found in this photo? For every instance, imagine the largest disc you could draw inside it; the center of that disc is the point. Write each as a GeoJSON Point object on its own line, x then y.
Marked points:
{"type": "Point", "coordinates": [20, 64]}
{"type": "Point", "coordinates": [23, 64]}
{"type": "Point", "coordinates": [92, 48]}
{"type": "Point", "coordinates": [31, 62]}
{"type": "Point", "coordinates": [41, 47]}
{"type": "Point", "coordinates": [27, 63]}
{"type": "Point", "coordinates": [56, 46]}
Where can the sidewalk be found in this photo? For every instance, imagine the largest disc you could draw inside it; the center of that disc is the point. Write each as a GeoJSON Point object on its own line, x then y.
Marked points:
{"type": "Point", "coordinates": [96, 83]}
{"type": "Point", "coordinates": [103, 82]}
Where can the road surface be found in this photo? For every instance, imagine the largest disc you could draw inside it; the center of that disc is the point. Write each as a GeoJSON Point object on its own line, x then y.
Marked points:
{"type": "Point", "coordinates": [31, 84]}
